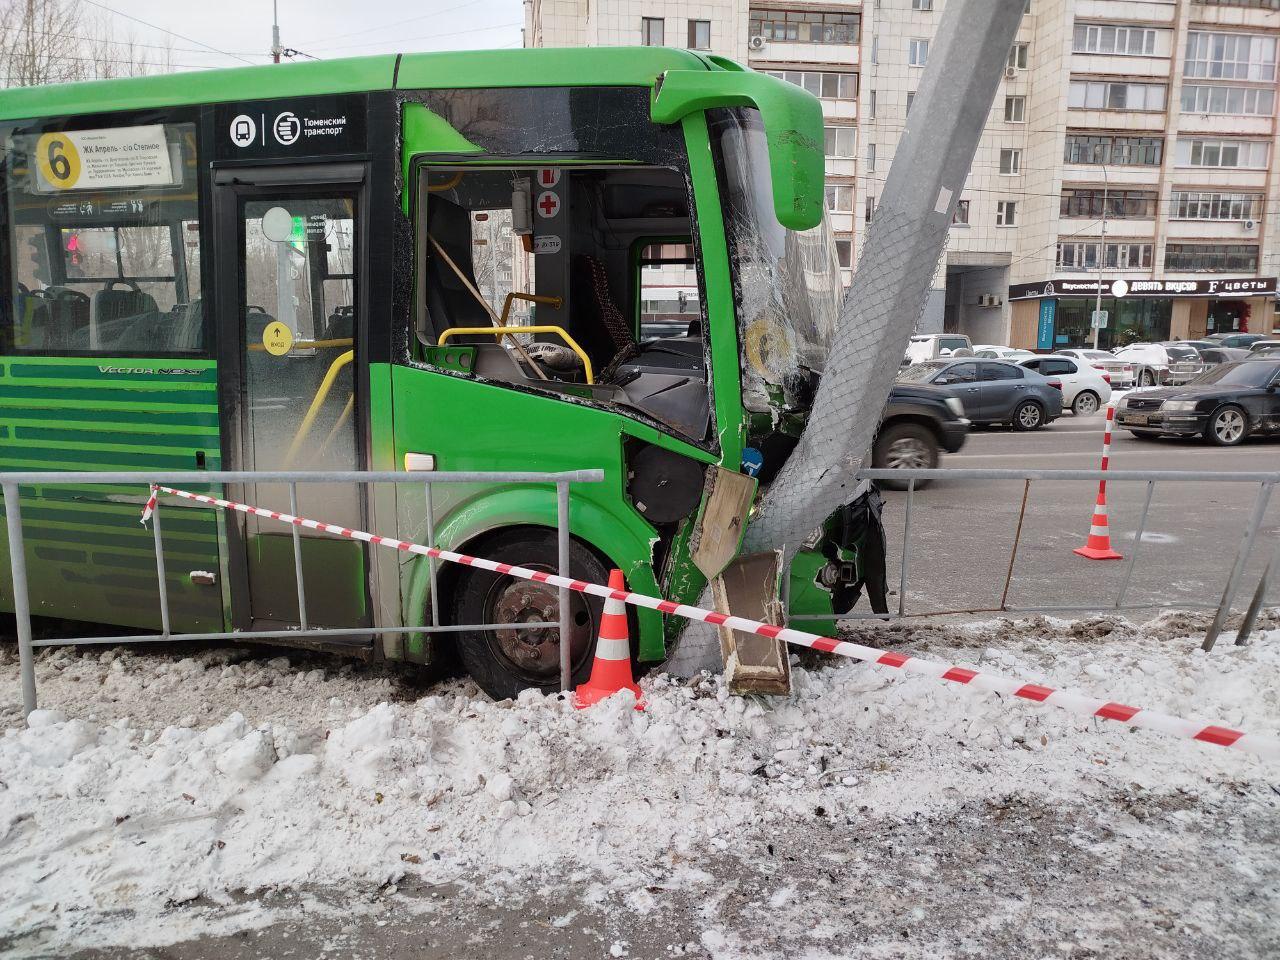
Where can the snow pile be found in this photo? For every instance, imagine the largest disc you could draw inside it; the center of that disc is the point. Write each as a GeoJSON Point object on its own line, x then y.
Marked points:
{"type": "Point", "coordinates": [152, 781]}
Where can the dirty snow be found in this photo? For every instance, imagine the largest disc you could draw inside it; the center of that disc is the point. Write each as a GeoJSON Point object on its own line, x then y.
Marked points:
{"type": "Point", "coordinates": [152, 780]}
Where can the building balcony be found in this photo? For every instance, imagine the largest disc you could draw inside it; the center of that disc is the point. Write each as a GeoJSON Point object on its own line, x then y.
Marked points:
{"type": "Point", "coordinates": [1129, 11]}
{"type": "Point", "coordinates": [1145, 121]}
{"type": "Point", "coordinates": [1254, 14]}
{"type": "Point", "coordinates": [1225, 124]}
{"type": "Point", "coordinates": [1222, 231]}
{"type": "Point", "coordinates": [1115, 65]}
{"type": "Point", "coordinates": [789, 51]}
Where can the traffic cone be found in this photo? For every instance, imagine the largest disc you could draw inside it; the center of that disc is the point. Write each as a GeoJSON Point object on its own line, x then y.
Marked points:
{"type": "Point", "coordinates": [611, 670]}
{"type": "Point", "coordinates": [1098, 546]}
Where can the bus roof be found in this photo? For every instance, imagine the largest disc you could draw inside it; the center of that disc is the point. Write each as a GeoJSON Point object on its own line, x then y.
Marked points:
{"type": "Point", "coordinates": [540, 67]}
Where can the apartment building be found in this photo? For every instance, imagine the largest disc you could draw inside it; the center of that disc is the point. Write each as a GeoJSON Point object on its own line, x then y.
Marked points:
{"type": "Point", "coordinates": [1132, 146]}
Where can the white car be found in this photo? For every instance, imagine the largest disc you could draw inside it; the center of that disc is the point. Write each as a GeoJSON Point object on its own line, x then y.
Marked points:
{"type": "Point", "coordinates": [1158, 363]}
{"type": "Point", "coordinates": [989, 351]}
{"type": "Point", "coordinates": [931, 346]}
{"type": "Point", "coordinates": [1120, 371]}
{"type": "Point", "coordinates": [1084, 389]}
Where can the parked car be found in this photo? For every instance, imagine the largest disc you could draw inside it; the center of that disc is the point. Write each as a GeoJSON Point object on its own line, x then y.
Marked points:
{"type": "Point", "coordinates": [990, 352]}
{"type": "Point", "coordinates": [919, 421]}
{"type": "Point", "coordinates": [931, 346]}
{"type": "Point", "coordinates": [1262, 346]}
{"type": "Point", "coordinates": [1212, 356]}
{"type": "Point", "coordinates": [992, 391]}
{"type": "Point", "coordinates": [1245, 340]}
{"type": "Point", "coordinates": [1225, 405]}
{"type": "Point", "coordinates": [1152, 362]}
{"type": "Point", "coordinates": [1084, 389]}
{"type": "Point", "coordinates": [1120, 371]}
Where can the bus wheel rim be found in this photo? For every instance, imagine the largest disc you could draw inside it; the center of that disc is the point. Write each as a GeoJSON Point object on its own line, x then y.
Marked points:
{"type": "Point", "coordinates": [534, 653]}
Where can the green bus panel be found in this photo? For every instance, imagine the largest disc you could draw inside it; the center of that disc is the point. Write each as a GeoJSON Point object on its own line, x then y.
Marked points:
{"type": "Point", "coordinates": [88, 557]}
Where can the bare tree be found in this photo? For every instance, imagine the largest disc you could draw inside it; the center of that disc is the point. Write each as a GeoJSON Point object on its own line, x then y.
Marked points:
{"type": "Point", "coordinates": [56, 41]}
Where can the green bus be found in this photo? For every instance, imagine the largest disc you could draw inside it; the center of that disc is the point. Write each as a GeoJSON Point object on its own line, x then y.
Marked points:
{"type": "Point", "coordinates": [308, 267]}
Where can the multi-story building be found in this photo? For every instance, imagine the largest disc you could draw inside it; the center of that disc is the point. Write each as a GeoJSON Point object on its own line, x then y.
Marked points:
{"type": "Point", "coordinates": [1132, 145]}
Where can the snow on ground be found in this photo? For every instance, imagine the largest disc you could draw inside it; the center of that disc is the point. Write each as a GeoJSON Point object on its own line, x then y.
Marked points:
{"type": "Point", "coordinates": [153, 779]}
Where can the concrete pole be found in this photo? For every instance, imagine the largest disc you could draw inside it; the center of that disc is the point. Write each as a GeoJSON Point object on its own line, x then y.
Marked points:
{"type": "Point", "coordinates": [890, 287]}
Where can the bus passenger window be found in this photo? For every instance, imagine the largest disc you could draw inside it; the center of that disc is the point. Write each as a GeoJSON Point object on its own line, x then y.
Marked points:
{"type": "Point", "coordinates": [598, 263]}
{"type": "Point", "coordinates": [106, 256]}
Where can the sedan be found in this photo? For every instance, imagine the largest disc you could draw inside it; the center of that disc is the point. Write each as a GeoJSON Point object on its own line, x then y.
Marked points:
{"type": "Point", "coordinates": [1084, 389]}
{"type": "Point", "coordinates": [1224, 405]}
{"type": "Point", "coordinates": [1245, 340]}
{"type": "Point", "coordinates": [993, 391]}
{"type": "Point", "coordinates": [1120, 371]}
{"type": "Point", "coordinates": [990, 352]}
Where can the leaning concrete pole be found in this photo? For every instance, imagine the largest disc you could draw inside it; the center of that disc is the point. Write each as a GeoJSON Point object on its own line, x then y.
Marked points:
{"type": "Point", "coordinates": [890, 287]}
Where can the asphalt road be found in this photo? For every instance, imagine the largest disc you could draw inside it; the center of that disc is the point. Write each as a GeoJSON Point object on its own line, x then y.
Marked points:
{"type": "Point", "coordinates": [963, 530]}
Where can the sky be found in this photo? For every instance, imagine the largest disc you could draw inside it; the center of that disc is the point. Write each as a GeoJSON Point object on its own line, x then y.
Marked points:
{"type": "Point", "coordinates": [323, 28]}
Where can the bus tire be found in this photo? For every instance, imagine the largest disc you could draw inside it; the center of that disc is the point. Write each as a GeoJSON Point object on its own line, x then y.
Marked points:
{"type": "Point", "coordinates": [505, 662]}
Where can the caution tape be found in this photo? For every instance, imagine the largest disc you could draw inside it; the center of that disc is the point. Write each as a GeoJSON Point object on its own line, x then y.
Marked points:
{"type": "Point", "coordinates": [1076, 703]}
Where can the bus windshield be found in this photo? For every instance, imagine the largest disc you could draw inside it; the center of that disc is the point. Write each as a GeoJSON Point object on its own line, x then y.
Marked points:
{"type": "Point", "coordinates": [787, 287]}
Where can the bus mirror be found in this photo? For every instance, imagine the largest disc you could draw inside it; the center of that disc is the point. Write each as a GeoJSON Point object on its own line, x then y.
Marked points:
{"type": "Point", "coordinates": [792, 124]}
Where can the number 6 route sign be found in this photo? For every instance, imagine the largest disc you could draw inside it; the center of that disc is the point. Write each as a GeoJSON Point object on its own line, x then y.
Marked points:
{"type": "Point", "coordinates": [120, 157]}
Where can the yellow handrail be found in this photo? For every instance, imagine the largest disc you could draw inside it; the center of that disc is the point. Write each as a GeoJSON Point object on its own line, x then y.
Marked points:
{"type": "Point", "coordinates": [322, 394]}
{"type": "Point", "coordinates": [555, 303]}
{"type": "Point", "coordinates": [507, 331]}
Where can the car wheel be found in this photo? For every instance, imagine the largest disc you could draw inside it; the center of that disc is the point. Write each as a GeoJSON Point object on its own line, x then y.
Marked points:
{"type": "Point", "coordinates": [905, 446]}
{"type": "Point", "coordinates": [1029, 415]}
{"type": "Point", "coordinates": [1085, 404]}
{"type": "Point", "coordinates": [1228, 427]}
{"type": "Point", "coordinates": [504, 662]}
{"type": "Point", "coordinates": [1146, 379]}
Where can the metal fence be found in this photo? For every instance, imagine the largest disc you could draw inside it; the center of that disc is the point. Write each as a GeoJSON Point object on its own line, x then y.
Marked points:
{"type": "Point", "coordinates": [10, 483]}
{"type": "Point", "coordinates": [1265, 482]}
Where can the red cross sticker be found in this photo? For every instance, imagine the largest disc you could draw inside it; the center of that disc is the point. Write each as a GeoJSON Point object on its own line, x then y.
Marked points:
{"type": "Point", "coordinates": [548, 204]}
{"type": "Point", "coordinates": [548, 177]}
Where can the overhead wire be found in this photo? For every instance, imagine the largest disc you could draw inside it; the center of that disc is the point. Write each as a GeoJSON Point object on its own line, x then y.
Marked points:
{"type": "Point", "coordinates": [172, 33]}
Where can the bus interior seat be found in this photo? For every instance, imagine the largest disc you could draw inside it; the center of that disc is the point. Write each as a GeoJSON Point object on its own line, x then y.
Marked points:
{"type": "Point", "coordinates": [186, 332]}
{"type": "Point", "coordinates": [449, 302]}
{"type": "Point", "coordinates": [112, 303]}
{"type": "Point", "coordinates": [341, 324]}
{"type": "Point", "coordinates": [602, 329]}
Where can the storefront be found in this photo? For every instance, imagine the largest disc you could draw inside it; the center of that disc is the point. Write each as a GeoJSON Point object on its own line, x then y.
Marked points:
{"type": "Point", "coordinates": [1057, 314]}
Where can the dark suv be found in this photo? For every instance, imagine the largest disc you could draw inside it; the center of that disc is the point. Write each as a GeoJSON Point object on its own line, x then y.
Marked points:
{"type": "Point", "coordinates": [919, 420]}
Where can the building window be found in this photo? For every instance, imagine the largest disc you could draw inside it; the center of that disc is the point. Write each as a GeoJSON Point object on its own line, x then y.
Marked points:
{"type": "Point", "coordinates": [1082, 255]}
{"type": "Point", "coordinates": [839, 198]}
{"type": "Point", "coordinates": [1198, 205]}
{"type": "Point", "coordinates": [871, 105]}
{"type": "Point", "coordinates": [921, 4]}
{"type": "Point", "coordinates": [961, 217]}
{"type": "Point", "coordinates": [911, 97]}
{"type": "Point", "coordinates": [1103, 38]}
{"type": "Point", "coordinates": [871, 208]}
{"type": "Point", "coordinates": [1119, 151]}
{"type": "Point", "coordinates": [1230, 56]}
{"type": "Point", "coordinates": [1015, 109]}
{"type": "Point", "coordinates": [1018, 55]}
{"type": "Point", "coordinates": [1236, 101]}
{"type": "Point", "coordinates": [840, 142]}
{"type": "Point", "coordinates": [1216, 257]}
{"type": "Point", "coordinates": [1006, 213]}
{"type": "Point", "coordinates": [871, 158]}
{"type": "Point", "coordinates": [825, 84]}
{"type": "Point", "coordinates": [844, 252]}
{"type": "Point", "coordinates": [1119, 204]}
{"type": "Point", "coordinates": [917, 52]}
{"type": "Point", "coordinates": [1010, 162]}
{"type": "Point", "coordinates": [1239, 154]}
{"type": "Point", "coordinates": [803, 26]}
{"type": "Point", "coordinates": [1115, 95]}
{"type": "Point", "coordinates": [699, 34]}
{"type": "Point", "coordinates": [652, 31]}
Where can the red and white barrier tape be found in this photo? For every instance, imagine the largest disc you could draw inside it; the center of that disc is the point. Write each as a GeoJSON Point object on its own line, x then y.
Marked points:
{"type": "Point", "coordinates": [1072, 702]}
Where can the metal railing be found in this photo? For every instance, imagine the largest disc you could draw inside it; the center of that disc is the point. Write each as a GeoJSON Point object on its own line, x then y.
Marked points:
{"type": "Point", "coordinates": [10, 483]}
{"type": "Point", "coordinates": [1265, 481]}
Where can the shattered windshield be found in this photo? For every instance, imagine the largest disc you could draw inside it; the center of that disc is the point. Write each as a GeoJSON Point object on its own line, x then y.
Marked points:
{"type": "Point", "coordinates": [787, 288]}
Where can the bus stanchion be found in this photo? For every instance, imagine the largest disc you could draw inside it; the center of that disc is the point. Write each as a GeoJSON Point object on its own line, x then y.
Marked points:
{"type": "Point", "coordinates": [562, 545]}
{"type": "Point", "coordinates": [297, 559]}
{"type": "Point", "coordinates": [161, 581]}
{"type": "Point", "coordinates": [432, 571]}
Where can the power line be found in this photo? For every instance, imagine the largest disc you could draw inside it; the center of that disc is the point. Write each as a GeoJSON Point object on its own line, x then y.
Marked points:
{"type": "Point", "coordinates": [172, 33]}
{"type": "Point", "coordinates": [395, 23]}
{"type": "Point", "coordinates": [135, 43]}
{"type": "Point", "coordinates": [432, 36]}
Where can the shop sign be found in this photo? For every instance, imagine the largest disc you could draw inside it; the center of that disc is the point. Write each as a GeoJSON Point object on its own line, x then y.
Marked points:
{"type": "Point", "coordinates": [1217, 287]}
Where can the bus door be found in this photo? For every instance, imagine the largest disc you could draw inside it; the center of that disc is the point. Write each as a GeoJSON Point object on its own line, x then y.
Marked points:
{"type": "Point", "coordinates": [289, 322]}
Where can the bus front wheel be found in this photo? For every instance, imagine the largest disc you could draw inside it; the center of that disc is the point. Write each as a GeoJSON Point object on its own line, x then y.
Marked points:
{"type": "Point", "coordinates": [504, 662]}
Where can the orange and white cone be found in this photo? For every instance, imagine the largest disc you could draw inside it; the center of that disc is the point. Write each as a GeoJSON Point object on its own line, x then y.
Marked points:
{"type": "Point", "coordinates": [611, 670]}
{"type": "Point", "coordinates": [1098, 546]}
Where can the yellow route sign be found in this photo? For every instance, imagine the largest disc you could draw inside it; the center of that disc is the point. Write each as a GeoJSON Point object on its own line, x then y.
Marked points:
{"type": "Point", "coordinates": [277, 339]}
{"type": "Point", "coordinates": [59, 160]}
